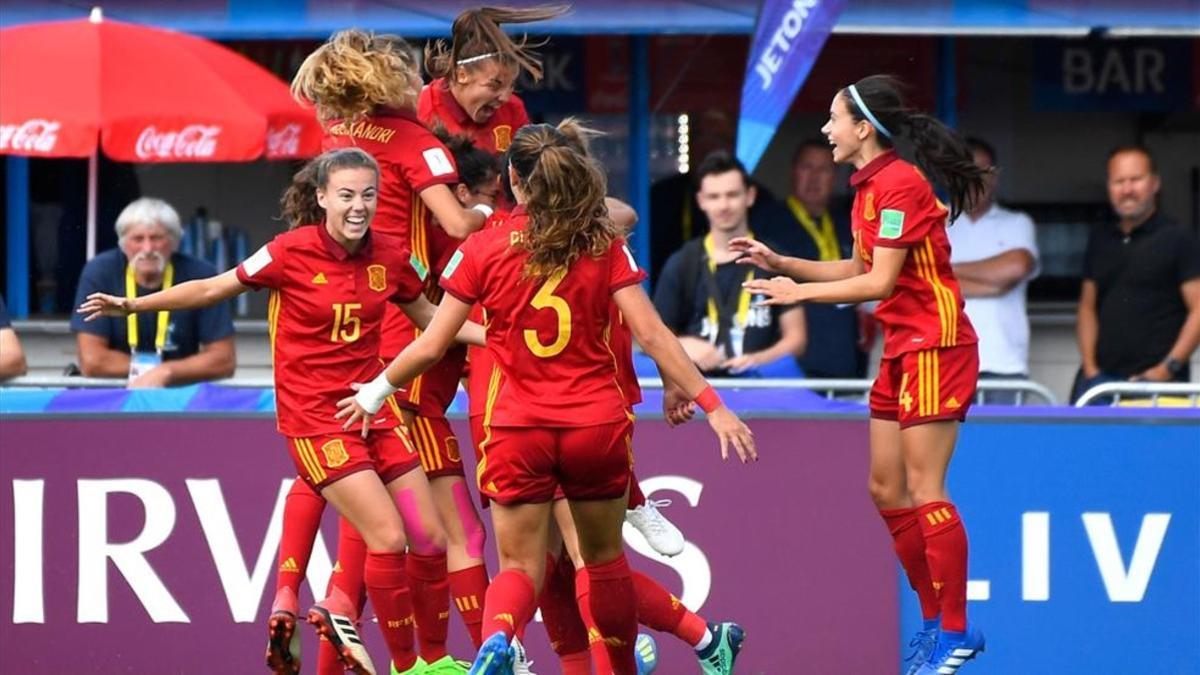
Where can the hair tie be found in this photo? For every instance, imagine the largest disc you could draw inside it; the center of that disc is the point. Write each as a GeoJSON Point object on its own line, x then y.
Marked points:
{"type": "Point", "coordinates": [473, 59]}
{"type": "Point", "coordinates": [867, 112]}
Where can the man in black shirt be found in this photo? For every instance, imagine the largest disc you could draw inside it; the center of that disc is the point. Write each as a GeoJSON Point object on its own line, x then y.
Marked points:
{"type": "Point", "coordinates": [1139, 310]}
{"type": "Point", "coordinates": [700, 296]}
{"type": "Point", "coordinates": [154, 349]}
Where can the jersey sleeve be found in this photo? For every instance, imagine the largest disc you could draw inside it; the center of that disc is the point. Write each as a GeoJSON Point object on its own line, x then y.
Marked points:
{"type": "Point", "coordinates": [91, 281]}
{"type": "Point", "coordinates": [264, 269]}
{"type": "Point", "coordinates": [1024, 237]}
{"type": "Point", "coordinates": [412, 278]}
{"type": "Point", "coordinates": [1187, 257]}
{"type": "Point", "coordinates": [427, 163]}
{"type": "Point", "coordinates": [623, 270]}
{"type": "Point", "coordinates": [461, 278]}
{"type": "Point", "coordinates": [906, 213]}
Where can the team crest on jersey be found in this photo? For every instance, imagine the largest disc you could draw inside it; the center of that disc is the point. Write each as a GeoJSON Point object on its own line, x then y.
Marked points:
{"type": "Point", "coordinates": [452, 449]}
{"type": "Point", "coordinates": [335, 453]}
{"type": "Point", "coordinates": [377, 278]}
{"type": "Point", "coordinates": [503, 136]}
{"type": "Point", "coordinates": [869, 208]}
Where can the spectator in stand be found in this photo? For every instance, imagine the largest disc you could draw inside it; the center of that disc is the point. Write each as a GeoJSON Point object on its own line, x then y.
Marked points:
{"type": "Point", "coordinates": [700, 296]}
{"type": "Point", "coordinates": [12, 357]}
{"type": "Point", "coordinates": [994, 255]}
{"type": "Point", "coordinates": [1139, 309]}
{"type": "Point", "coordinates": [818, 228]}
{"type": "Point", "coordinates": [158, 349]}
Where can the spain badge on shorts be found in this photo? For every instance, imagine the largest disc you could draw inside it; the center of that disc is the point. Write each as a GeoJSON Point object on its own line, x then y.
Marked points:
{"type": "Point", "coordinates": [335, 453]}
{"type": "Point", "coordinates": [377, 278]}
{"type": "Point", "coordinates": [503, 136]}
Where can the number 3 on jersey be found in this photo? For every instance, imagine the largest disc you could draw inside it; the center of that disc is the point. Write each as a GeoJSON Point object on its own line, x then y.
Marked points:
{"type": "Point", "coordinates": [545, 299]}
{"type": "Point", "coordinates": [346, 326]}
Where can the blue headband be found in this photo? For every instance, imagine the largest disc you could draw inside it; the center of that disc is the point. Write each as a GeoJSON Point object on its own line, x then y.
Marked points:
{"type": "Point", "coordinates": [867, 112]}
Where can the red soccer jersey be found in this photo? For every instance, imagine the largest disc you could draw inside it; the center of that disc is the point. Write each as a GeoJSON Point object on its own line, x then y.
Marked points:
{"type": "Point", "coordinates": [553, 367]}
{"type": "Point", "coordinates": [620, 339]}
{"type": "Point", "coordinates": [480, 359]}
{"type": "Point", "coordinates": [325, 316]}
{"type": "Point", "coordinates": [436, 105]}
{"type": "Point", "coordinates": [894, 206]}
{"type": "Point", "coordinates": [411, 159]}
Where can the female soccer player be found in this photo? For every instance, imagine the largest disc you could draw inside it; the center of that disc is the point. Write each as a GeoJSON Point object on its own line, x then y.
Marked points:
{"type": "Point", "coordinates": [330, 282]}
{"type": "Point", "coordinates": [364, 88]}
{"type": "Point", "coordinates": [930, 362]}
{"type": "Point", "coordinates": [475, 75]}
{"type": "Point", "coordinates": [555, 414]}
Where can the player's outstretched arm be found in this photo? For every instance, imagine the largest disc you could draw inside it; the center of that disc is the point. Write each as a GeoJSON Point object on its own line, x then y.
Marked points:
{"type": "Point", "coordinates": [874, 285]}
{"type": "Point", "coordinates": [658, 341]}
{"type": "Point", "coordinates": [188, 295]}
{"type": "Point", "coordinates": [450, 214]}
{"type": "Point", "coordinates": [761, 256]}
{"type": "Point", "coordinates": [420, 355]}
{"type": "Point", "coordinates": [421, 312]}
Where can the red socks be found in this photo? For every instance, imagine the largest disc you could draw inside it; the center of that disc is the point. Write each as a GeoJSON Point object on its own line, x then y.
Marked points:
{"type": "Point", "coordinates": [560, 610]}
{"type": "Point", "coordinates": [468, 587]}
{"type": "Point", "coordinates": [302, 509]}
{"type": "Point", "coordinates": [510, 603]}
{"type": "Point", "coordinates": [387, 585]}
{"type": "Point", "coordinates": [658, 609]}
{"type": "Point", "coordinates": [946, 553]}
{"type": "Point", "coordinates": [636, 498]}
{"type": "Point", "coordinates": [910, 549]}
{"type": "Point", "coordinates": [609, 593]}
{"type": "Point", "coordinates": [431, 602]}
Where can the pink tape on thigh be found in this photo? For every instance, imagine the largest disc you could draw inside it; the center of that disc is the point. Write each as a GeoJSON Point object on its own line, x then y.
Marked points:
{"type": "Point", "coordinates": [419, 541]}
{"type": "Point", "coordinates": [465, 509]}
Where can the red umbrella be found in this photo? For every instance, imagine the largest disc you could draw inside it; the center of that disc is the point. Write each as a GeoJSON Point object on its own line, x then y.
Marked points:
{"type": "Point", "coordinates": [141, 94]}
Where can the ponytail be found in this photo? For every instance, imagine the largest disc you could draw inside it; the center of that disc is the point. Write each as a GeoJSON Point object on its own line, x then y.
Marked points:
{"type": "Point", "coordinates": [939, 150]}
{"type": "Point", "coordinates": [477, 36]}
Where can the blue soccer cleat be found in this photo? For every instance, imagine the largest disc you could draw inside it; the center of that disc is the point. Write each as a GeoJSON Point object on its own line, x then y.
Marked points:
{"type": "Point", "coordinates": [952, 651]}
{"type": "Point", "coordinates": [922, 644]}
{"type": "Point", "coordinates": [719, 656]}
{"type": "Point", "coordinates": [495, 657]}
{"type": "Point", "coordinates": [645, 652]}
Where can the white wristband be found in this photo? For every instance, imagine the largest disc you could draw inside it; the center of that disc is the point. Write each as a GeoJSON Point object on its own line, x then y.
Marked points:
{"type": "Point", "coordinates": [374, 393]}
{"type": "Point", "coordinates": [484, 209]}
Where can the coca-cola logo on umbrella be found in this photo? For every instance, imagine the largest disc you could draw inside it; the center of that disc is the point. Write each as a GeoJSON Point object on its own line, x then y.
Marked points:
{"type": "Point", "coordinates": [283, 141]}
{"type": "Point", "coordinates": [190, 142]}
{"type": "Point", "coordinates": [35, 135]}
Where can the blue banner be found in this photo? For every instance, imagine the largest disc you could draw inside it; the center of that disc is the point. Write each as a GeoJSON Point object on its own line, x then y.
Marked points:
{"type": "Point", "coordinates": [787, 39]}
{"type": "Point", "coordinates": [1085, 545]}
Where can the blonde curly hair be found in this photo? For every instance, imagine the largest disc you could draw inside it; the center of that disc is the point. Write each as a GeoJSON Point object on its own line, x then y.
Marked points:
{"type": "Point", "coordinates": [356, 73]}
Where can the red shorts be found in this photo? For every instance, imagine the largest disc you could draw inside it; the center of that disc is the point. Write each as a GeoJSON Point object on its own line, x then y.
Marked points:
{"type": "Point", "coordinates": [522, 465]}
{"type": "Point", "coordinates": [321, 460]}
{"type": "Point", "coordinates": [437, 445]}
{"type": "Point", "coordinates": [926, 386]}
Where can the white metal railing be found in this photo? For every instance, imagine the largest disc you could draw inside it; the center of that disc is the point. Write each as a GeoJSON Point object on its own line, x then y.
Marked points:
{"type": "Point", "coordinates": [849, 388]}
{"type": "Point", "coordinates": [1152, 391]}
{"type": "Point", "coordinates": [1023, 390]}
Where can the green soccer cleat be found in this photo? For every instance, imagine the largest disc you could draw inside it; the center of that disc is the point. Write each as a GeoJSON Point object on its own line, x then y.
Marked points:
{"type": "Point", "coordinates": [417, 669]}
{"type": "Point", "coordinates": [447, 665]}
{"type": "Point", "coordinates": [719, 656]}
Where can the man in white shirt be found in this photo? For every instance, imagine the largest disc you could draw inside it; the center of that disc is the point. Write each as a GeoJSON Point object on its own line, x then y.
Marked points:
{"type": "Point", "coordinates": [994, 254]}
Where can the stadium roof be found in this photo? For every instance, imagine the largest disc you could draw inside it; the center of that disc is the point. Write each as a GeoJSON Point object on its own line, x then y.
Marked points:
{"type": "Point", "coordinates": [266, 19]}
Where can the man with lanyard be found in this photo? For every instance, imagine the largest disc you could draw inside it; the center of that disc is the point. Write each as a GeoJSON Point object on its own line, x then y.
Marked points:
{"type": "Point", "coordinates": [700, 296]}
{"type": "Point", "coordinates": [819, 229]}
{"type": "Point", "coordinates": [158, 349]}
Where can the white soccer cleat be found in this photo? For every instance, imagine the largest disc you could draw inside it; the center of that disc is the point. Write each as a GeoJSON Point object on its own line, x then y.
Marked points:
{"type": "Point", "coordinates": [521, 662]}
{"type": "Point", "coordinates": [660, 533]}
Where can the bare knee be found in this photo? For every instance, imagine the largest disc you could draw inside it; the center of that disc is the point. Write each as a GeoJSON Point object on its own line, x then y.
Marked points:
{"type": "Point", "coordinates": [387, 538]}
{"type": "Point", "coordinates": [887, 492]}
{"type": "Point", "coordinates": [599, 551]}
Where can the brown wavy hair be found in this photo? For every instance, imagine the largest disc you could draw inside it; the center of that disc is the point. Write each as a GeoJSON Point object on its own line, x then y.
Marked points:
{"type": "Point", "coordinates": [477, 32]}
{"type": "Point", "coordinates": [355, 73]}
{"type": "Point", "coordinates": [298, 205]}
{"type": "Point", "coordinates": [564, 189]}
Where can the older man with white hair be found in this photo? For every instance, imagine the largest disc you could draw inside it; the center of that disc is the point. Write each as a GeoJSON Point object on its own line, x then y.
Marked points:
{"type": "Point", "coordinates": [152, 349]}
